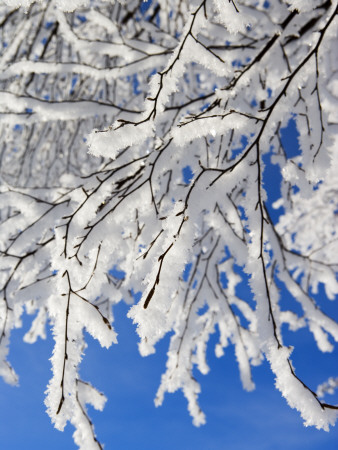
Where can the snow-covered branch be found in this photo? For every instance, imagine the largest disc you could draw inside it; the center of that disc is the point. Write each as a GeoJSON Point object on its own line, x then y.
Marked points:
{"type": "Point", "coordinates": [183, 106]}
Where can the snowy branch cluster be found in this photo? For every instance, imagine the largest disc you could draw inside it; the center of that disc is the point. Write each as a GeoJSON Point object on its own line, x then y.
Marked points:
{"type": "Point", "coordinates": [182, 104]}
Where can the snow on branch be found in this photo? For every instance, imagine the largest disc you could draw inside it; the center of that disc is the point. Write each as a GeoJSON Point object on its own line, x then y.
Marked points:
{"type": "Point", "coordinates": [183, 106]}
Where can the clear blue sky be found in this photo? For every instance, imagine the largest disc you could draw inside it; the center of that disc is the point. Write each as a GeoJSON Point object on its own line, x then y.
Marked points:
{"type": "Point", "coordinates": [235, 419]}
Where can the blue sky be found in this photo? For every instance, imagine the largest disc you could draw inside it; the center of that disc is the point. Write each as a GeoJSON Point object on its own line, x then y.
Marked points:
{"type": "Point", "coordinates": [236, 419]}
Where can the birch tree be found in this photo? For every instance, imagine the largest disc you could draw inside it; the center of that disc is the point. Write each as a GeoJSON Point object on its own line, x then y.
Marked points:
{"type": "Point", "coordinates": [104, 105]}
